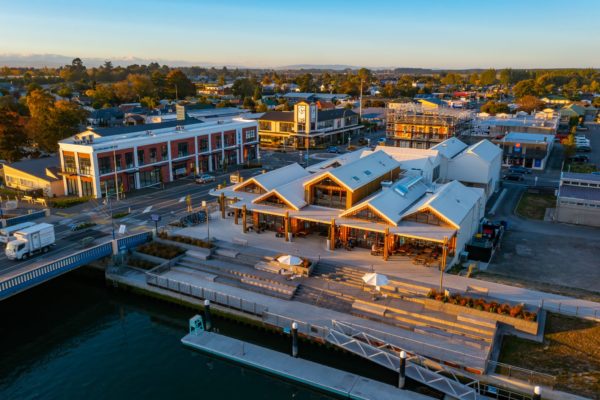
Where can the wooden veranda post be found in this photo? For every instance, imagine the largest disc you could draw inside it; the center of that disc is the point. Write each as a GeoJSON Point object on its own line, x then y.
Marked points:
{"type": "Point", "coordinates": [443, 263]}
{"type": "Point", "coordinates": [286, 226]}
{"type": "Point", "coordinates": [332, 235]}
{"type": "Point", "coordinates": [386, 250]}
{"type": "Point", "coordinates": [236, 213]}
{"type": "Point", "coordinates": [222, 204]}
{"type": "Point", "coordinates": [244, 218]}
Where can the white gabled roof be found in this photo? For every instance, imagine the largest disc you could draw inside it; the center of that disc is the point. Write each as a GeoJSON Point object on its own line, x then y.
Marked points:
{"type": "Point", "coordinates": [292, 192]}
{"type": "Point", "coordinates": [393, 201]}
{"type": "Point", "coordinates": [341, 159]}
{"type": "Point", "coordinates": [485, 150]}
{"type": "Point", "coordinates": [452, 201]}
{"type": "Point", "coordinates": [272, 179]}
{"type": "Point", "coordinates": [362, 171]}
{"type": "Point", "coordinates": [449, 148]}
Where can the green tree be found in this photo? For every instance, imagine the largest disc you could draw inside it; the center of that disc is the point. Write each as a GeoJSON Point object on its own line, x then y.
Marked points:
{"type": "Point", "coordinates": [257, 93]}
{"type": "Point", "coordinates": [51, 121]}
{"type": "Point", "coordinates": [530, 103]}
{"type": "Point", "coordinates": [178, 85]}
{"type": "Point", "coordinates": [243, 88]}
{"type": "Point", "coordinates": [12, 135]}
{"type": "Point", "coordinates": [488, 77]}
{"type": "Point", "coordinates": [148, 102]}
{"type": "Point", "coordinates": [525, 88]}
{"type": "Point", "coordinates": [493, 107]}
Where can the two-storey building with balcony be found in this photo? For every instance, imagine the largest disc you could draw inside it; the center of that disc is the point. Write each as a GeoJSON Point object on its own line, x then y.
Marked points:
{"type": "Point", "coordinates": [420, 127]}
{"type": "Point", "coordinates": [307, 127]}
{"type": "Point", "coordinates": [117, 160]}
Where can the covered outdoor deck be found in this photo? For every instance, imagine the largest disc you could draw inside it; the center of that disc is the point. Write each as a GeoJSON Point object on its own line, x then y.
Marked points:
{"type": "Point", "coordinates": [413, 242]}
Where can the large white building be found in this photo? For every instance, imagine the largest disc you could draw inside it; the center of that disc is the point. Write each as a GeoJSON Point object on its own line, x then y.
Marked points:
{"type": "Point", "coordinates": [121, 159]}
{"type": "Point", "coordinates": [365, 199]}
{"type": "Point", "coordinates": [478, 165]}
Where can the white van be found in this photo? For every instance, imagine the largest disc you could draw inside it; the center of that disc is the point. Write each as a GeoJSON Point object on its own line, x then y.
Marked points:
{"type": "Point", "coordinates": [6, 234]}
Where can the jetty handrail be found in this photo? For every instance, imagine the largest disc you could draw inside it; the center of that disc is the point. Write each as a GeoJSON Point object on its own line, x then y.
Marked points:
{"type": "Point", "coordinates": [523, 374]}
{"type": "Point", "coordinates": [305, 328]}
{"type": "Point", "coordinates": [200, 292]}
{"type": "Point", "coordinates": [386, 336]}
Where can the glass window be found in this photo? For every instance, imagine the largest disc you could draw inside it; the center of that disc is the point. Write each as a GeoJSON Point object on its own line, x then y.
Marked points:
{"type": "Point", "coordinates": [118, 162]}
{"type": "Point", "coordinates": [149, 178]}
{"type": "Point", "coordinates": [85, 166]}
{"type": "Point", "coordinates": [153, 154]}
{"type": "Point", "coordinates": [203, 144]}
{"type": "Point", "coordinates": [69, 164]}
{"type": "Point", "coordinates": [140, 155]}
{"type": "Point", "coordinates": [164, 153]}
{"type": "Point", "coordinates": [182, 149]}
{"type": "Point", "coordinates": [104, 165]}
{"type": "Point", "coordinates": [129, 160]}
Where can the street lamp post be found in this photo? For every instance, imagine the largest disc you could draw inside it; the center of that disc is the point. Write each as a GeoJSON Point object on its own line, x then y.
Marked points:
{"type": "Point", "coordinates": [109, 204]}
{"type": "Point", "coordinates": [205, 205]}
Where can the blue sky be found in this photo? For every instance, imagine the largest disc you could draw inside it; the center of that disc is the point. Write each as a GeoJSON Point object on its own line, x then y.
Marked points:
{"type": "Point", "coordinates": [434, 33]}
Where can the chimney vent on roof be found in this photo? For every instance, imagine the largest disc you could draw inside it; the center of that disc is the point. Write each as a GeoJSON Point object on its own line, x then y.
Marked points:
{"type": "Point", "coordinates": [181, 112]}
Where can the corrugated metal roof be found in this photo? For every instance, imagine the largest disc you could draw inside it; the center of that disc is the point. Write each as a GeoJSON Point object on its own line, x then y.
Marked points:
{"type": "Point", "coordinates": [364, 170]}
{"type": "Point", "coordinates": [452, 200]}
{"type": "Point", "coordinates": [392, 202]}
{"type": "Point", "coordinates": [485, 150]}
{"type": "Point", "coordinates": [449, 148]}
{"type": "Point", "coordinates": [272, 179]}
{"type": "Point", "coordinates": [579, 192]}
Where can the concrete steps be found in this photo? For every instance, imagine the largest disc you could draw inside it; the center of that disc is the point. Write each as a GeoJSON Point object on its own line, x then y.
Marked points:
{"type": "Point", "coordinates": [234, 277]}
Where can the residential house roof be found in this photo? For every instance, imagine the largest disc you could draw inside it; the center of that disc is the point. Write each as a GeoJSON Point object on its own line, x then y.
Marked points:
{"type": "Point", "coordinates": [44, 168]}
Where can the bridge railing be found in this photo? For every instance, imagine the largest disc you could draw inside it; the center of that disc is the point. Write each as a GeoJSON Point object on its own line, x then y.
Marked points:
{"type": "Point", "coordinates": [44, 272]}
{"type": "Point", "coordinates": [54, 268]}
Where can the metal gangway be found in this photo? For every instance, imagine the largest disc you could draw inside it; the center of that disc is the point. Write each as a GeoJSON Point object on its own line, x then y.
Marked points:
{"type": "Point", "coordinates": [418, 368]}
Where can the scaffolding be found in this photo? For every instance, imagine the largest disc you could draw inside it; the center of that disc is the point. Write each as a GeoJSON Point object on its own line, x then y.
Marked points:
{"type": "Point", "coordinates": [414, 125]}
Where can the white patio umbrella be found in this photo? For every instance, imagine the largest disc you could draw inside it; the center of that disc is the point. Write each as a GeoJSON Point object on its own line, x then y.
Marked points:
{"type": "Point", "coordinates": [289, 260]}
{"type": "Point", "coordinates": [375, 279]}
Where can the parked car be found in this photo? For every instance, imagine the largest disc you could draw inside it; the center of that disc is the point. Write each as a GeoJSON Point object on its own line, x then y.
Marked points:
{"type": "Point", "coordinates": [333, 149]}
{"type": "Point", "coordinates": [579, 158]}
{"type": "Point", "coordinates": [381, 140]}
{"type": "Point", "coordinates": [583, 128]}
{"type": "Point", "coordinates": [583, 148]}
{"type": "Point", "coordinates": [204, 178]}
{"type": "Point", "coordinates": [514, 177]}
{"type": "Point", "coordinates": [582, 140]}
{"type": "Point", "coordinates": [517, 169]}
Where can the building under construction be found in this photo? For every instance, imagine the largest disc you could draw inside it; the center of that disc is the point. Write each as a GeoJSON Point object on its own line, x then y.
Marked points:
{"type": "Point", "coordinates": [417, 126]}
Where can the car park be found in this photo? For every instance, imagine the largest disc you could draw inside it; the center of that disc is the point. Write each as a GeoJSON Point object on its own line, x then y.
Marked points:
{"type": "Point", "coordinates": [517, 169]}
{"type": "Point", "coordinates": [579, 158]}
{"type": "Point", "coordinates": [514, 177]}
{"type": "Point", "coordinates": [204, 178]}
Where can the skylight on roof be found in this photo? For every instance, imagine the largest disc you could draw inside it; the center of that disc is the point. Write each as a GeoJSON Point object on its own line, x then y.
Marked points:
{"type": "Point", "coordinates": [367, 172]}
{"type": "Point", "coordinates": [356, 178]}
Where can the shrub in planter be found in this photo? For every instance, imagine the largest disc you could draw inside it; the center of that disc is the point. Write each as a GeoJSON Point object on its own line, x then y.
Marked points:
{"type": "Point", "coordinates": [439, 296]}
{"type": "Point", "coordinates": [516, 311]}
{"type": "Point", "coordinates": [463, 301]}
{"type": "Point", "coordinates": [504, 309]}
{"type": "Point", "coordinates": [431, 294]}
{"type": "Point", "coordinates": [479, 307]}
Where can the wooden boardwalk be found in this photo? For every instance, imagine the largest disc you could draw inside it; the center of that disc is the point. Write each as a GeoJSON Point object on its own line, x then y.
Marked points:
{"type": "Point", "coordinates": [321, 377]}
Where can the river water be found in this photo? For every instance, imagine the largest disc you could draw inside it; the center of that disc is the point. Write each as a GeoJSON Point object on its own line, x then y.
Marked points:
{"type": "Point", "coordinates": [74, 338]}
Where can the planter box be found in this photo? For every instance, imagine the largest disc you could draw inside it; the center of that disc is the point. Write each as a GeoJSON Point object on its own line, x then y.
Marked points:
{"type": "Point", "coordinates": [522, 325]}
{"type": "Point", "coordinates": [185, 245]}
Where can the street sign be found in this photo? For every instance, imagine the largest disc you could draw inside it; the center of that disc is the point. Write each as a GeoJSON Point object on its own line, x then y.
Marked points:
{"type": "Point", "coordinates": [155, 217]}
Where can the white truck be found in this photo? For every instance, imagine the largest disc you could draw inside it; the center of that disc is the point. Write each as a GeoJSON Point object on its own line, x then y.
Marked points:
{"type": "Point", "coordinates": [6, 234]}
{"type": "Point", "coordinates": [29, 241]}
